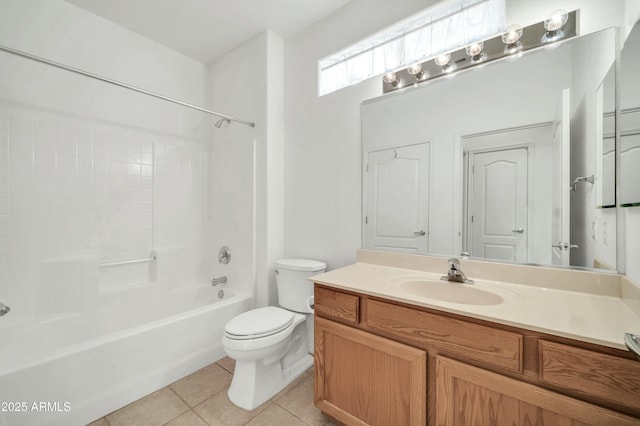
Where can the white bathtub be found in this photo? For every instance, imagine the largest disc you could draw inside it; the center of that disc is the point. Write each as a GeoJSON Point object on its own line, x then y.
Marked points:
{"type": "Point", "coordinates": [73, 368]}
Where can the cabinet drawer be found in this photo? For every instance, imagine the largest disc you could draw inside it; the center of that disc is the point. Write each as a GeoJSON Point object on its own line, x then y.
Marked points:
{"type": "Point", "coordinates": [490, 346]}
{"type": "Point", "coordinates": [591, 373]}
{"type": "Point", "coordinates": [337, 306]}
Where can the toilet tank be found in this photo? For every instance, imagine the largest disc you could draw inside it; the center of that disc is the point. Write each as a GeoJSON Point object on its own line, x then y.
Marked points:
{"type": "Point", "coordinates": [294, 289]}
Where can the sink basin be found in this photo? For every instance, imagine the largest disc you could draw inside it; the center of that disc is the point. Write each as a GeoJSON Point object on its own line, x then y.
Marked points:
{"type": "Point", "coordinates": [451, 292]}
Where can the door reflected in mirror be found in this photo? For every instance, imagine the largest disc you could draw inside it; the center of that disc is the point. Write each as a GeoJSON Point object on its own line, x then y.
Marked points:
{"type": "Point", "coordinates": [502, 171]}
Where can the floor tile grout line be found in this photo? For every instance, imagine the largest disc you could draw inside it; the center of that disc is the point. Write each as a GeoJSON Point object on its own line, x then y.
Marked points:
{"type": "Point", "coordinates": [288, 392]}
{"type": "Point", "coordinates": [181, 399]}
{"type": "Point", "coordinates": [170, 386]}
{"type": "Point", "coordinates": [291, 412]}
{"type": "Point", "coordinates": [200, 417]}
{"type": "Point", "coordinates": [224, 368]}
{"type": "Point", "coordinates": [266, 405]}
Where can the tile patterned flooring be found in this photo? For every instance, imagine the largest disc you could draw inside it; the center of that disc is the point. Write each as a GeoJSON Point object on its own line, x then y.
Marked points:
{"type": "Point", "coordinates": [201, 399]}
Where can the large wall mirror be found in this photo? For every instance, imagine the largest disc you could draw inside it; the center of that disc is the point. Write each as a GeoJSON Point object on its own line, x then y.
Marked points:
{"type": "Point", "coordinates": [501, 162]}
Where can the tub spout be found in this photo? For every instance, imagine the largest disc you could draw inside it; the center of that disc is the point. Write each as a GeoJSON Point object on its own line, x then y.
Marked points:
{"type": "Point", "coordinates": [219, 280]}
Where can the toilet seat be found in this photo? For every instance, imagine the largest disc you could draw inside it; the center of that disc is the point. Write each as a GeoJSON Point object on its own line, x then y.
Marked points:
{"type": "Point", "coordinates": [257, 323]}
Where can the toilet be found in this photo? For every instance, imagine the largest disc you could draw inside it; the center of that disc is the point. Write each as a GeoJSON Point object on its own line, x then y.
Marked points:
{"type": "Point", "coordinates": [273, 345]}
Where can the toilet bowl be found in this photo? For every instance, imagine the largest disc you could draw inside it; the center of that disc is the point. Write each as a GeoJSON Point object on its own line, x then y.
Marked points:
{"type": "Point", "coordinates": [273, 345]}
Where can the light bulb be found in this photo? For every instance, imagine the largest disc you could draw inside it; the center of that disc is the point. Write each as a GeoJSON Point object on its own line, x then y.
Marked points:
{"type": "Point", "coordinates": [556, 20]}
{"type": "Point", "coordinates": [414, 68]}
{"type": "Point", "coordinates": [475, 49]}
{"type": "Point", "coordinates": [390, 78]}
{"type": "Point", "coordinates": [553, 24]}
{"type": "Point", "coordinates": [512, 34]}
{"type": "Point", "coordinates": [443, 59]}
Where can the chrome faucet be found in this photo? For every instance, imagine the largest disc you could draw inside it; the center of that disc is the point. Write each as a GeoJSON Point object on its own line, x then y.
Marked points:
{"type": "Point", "coordinates": [455, 274]}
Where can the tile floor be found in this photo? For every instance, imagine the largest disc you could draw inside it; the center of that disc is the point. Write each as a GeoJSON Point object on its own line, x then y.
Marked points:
{"type": "Point", "coordinates": [201, 399]}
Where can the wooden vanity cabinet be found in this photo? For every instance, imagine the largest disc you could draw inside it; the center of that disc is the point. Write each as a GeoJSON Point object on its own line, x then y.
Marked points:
{"type": "Point", "coordinates": [470, 395]}
{"type": "Point", "coordinates": [379, 362]}
{"type": "Point", "coordinates": [367, 379]}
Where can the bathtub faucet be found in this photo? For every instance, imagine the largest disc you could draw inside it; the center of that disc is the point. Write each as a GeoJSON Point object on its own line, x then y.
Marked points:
{"type": "Point", "coordinates": [219, 280]}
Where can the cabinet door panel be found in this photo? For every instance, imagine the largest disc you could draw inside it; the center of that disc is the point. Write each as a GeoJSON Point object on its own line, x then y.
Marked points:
{"type": "Point", "coordinates": [467, 395]}
{"type": "Point", "coordinates": [477, 405]}
{"type": "Point", "coordinates": [366, 379]}
{"type": "Point", "coordinates": [532, 415]}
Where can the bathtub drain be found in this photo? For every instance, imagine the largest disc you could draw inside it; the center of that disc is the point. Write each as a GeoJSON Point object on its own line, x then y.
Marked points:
{"type": "Point", "coordinates": [220, 294]}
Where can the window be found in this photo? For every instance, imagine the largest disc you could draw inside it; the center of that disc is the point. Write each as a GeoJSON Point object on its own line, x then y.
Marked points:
{"type": "Point", "coordinates": [440, 28]}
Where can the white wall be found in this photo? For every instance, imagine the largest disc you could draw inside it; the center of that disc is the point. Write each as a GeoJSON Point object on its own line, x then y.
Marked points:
{"type": "Point", "coordinates": [84, 180]}
{"type": "Point", "coordinates": [322, 136]}
{"type": "Point", "coordinates": [246, 199]}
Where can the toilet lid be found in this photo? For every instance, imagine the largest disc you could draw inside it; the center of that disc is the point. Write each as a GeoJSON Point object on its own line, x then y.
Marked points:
{"type": "Point", "coordinates": [259, 322]}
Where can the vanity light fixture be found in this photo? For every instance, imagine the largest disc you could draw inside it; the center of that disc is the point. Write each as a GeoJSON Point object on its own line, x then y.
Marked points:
{"type": "Point", "coordinates": [444, 61]}
{"type": "Point", "coordinates": [475, 52]}
{"type": "Point", "coordinates": [508, 45]}
{"type": "Point", "coordinates": [391, 78]}
{"type": "Point", "coordinates": [553, 24]}
{"type": "Point", "coordinates": [416, 70]}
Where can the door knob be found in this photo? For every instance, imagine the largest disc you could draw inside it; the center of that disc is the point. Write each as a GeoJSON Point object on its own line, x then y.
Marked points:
{"type": "Point", "coordinates": [518, 230]}
{"type": "Point", "coordinates": [419, 233]}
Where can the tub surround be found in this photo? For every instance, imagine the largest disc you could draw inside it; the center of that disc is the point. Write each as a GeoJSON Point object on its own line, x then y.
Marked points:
{"type": "Point", "coordinates": [587, 306]}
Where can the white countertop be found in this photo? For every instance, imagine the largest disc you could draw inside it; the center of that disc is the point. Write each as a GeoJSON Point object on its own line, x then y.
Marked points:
{"type": "Point", "coordinates": [586, 316]}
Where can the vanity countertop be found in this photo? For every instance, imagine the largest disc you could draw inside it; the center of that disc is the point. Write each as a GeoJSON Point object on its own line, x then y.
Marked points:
{"type": "Point", "coordinates": [600, 317]}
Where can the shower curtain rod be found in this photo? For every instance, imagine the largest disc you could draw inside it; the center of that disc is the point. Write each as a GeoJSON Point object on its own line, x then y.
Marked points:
{"type": "Point", "coordinates": [124, 85]}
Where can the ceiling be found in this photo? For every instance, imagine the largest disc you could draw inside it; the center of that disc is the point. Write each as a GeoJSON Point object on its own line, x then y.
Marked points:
{"type": "Point", "coordinates": [206, 29]}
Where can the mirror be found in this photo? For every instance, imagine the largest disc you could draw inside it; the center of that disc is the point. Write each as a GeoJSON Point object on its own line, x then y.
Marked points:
{"type": "Point", "coordinates": [606, 142]}
{"type": "Point", "coordinates": [630, 120]}
{"type": "Point", "coordinates": [497, 163]}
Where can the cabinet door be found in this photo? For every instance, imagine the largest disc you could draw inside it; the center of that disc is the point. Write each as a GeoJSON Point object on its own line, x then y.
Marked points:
{"type": "Point", "coordinates": [467, 395]}
{"type": "Point", "coordinates": [363, 379]}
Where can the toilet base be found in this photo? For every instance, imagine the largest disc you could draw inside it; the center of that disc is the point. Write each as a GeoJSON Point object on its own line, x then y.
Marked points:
{"type": "Point", "coordinates": [254, 383]}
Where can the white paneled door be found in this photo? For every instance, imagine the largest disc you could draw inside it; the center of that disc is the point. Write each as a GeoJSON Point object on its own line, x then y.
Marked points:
{"type": "Point", "coordinates": [397, 202]}
{"type": "Point", "coordinates": [498, 196]}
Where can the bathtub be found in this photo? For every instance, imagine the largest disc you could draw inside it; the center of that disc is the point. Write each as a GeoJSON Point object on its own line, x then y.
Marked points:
{"type": "Point", "coordinates": [72, 368]}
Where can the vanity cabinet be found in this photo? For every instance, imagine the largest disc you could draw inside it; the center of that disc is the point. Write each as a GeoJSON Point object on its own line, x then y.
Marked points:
{"type": "Point", "coordinates": [367, 379]}
{"type": "Point", "coordinates": [381, 362]}
{"type": "Point", "coordinates": [470, 395]}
